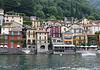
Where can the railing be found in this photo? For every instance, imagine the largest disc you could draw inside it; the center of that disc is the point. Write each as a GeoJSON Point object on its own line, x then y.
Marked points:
{"type": "Point", "coordinates": [15, 34]}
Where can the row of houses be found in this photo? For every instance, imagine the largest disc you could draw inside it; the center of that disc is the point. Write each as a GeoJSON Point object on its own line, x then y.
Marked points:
{"type": "Point", "coordinates": [56, 35]}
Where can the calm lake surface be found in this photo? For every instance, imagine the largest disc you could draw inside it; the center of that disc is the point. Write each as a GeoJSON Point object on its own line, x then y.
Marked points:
{"type": "Point", "coordinates": [49, 62]}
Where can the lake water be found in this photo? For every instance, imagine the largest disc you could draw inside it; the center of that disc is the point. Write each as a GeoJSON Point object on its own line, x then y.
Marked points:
{"type": "Point", "coordinates": [49, 62]}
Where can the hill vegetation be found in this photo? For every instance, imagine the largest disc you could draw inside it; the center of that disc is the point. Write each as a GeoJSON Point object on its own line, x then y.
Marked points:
{"type": "Point", "coordinates": [46, 9]}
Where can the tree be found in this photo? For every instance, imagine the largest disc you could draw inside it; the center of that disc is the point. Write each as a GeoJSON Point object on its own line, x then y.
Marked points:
{"type": "Point", "coordinates": [91, 17]}
{"type": "Point", "coordinates": [40, 14]}
{"type": "Point", "coordinates": [11, 5]}
{"type": "Point", "coordinates": [27, 7]}
{"type": "Point", "coordinates": [52, 10]}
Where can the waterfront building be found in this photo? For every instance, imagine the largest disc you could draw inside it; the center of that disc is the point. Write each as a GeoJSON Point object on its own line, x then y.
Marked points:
{"type": "Point", "coordinates": [36, 24]}
{"type": "Point", "coordinates": [1, 16]}
{"type": "Point", "coordinates": [64, 44]}
{"type": "Point", "coordinates": [15, 38]}
{"type": "Point", "coordinates": [55, 31]}
{"type": "Point", "coordinates": [31, 37]}
{"type": "Point", "coordinates": [80, 39]}
{"type": "Point", "coordinates": [13, 18]}
{"type": "Point", "coordinates": [42, 40]}
{"type": "Point", "coordinates": [4, 41]}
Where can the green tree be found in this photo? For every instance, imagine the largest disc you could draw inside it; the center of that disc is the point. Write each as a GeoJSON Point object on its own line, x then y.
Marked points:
{"type": "Point", "coordinates": [40, 14]}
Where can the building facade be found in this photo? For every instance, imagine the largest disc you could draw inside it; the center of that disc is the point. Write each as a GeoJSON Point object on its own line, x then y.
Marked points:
{"type": "Point", "coordinates": [42, 40]}
{"type": "Point", "coordinates": [13, 18]}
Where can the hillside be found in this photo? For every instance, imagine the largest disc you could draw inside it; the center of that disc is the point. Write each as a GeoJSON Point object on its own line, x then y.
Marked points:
{"type": "Point", "coordinates": [45, 9]}
{"type": "Point", "coordinates": [95, 4]}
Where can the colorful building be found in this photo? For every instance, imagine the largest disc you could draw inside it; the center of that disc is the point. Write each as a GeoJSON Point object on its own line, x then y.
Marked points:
{"type": "Point", "coordinates": [36, 24]}
{"type": "Point", "coordinates": [15, 39]}
{"type": "Point", "coordinates": [42, 40]}
{"type": "Point", "coordinates": [31, 37]}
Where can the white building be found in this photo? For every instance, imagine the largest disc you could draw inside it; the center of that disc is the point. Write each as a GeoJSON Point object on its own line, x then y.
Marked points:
{"type": "Point", "coordinates": [15, 18]}
{"type": "Point", "coordinates": [94, 28]}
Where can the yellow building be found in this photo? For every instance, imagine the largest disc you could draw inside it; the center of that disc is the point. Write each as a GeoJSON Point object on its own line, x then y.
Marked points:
{"type": "Point", "coordinates": [85, 21]}
{"type": "Point", "coordinates": [31, 38]}
{"type": "Point", "coordinates": [36, 24]}
{"type": "Point", "coordinates": [80, 39]}
{"type": "Point", "coordinates": [15, 18]}
{"type": "Point", "coordinates": [64, 29]}
{"type": "Point", "coordinates": [42, 40]}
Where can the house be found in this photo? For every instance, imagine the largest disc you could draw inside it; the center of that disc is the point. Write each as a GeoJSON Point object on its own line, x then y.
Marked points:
{"type": "Point", "coordinates": [84, 21]}
{"type": "Point", "coordinates": [42, 40]}
{"type": "Point", "coordinates": [63, 45]}
{"type": "Point", "coordinates": [6, 27]}
{"type": "Point", "coordinates": [36, 24]}
{"type": "Point", "coordinates": [55, 31]}
{"type": "Point", "coordinates": [1, 16]}
{"type": "Point", "coordinates": [76, 29]}
{"type": "Point", "coordinates": [31, 37]}
{"type": "Point", "coordinates": [4, 41]}
{"type": "Point", "coordinates": [15, 38]}
{"type": "Point", "coordinates": [94, 28]}
{"type": "Point", "coordinates": [64, 29]}
{"type": "Point", "coordinates": [13, 18]}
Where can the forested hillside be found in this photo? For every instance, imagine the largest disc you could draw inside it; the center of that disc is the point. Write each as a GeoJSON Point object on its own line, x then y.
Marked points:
{"type": "Point", "coordinates": [45, 9]}
{"type": "Point", "coordinates": [95, 4]}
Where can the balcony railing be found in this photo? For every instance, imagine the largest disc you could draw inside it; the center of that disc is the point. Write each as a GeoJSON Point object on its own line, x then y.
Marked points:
{"type": "Point", "coordinates": [15, 34]}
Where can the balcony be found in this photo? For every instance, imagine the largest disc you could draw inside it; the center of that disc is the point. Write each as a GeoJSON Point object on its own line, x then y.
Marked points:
{"type": "Point", "coordinates": [3, 38]}
{"type": "Point", "coordinates": [15, 34]}
{"type": "Point", "coordinates": [31, 33]}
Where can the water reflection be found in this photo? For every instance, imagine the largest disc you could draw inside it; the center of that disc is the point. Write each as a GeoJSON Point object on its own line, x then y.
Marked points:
{"type": "Point", "coordinates": [49, 62]}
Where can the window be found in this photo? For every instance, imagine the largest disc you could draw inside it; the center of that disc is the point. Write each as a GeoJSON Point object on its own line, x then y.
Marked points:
{"type": "Point", "coordinates": [64, 29]}
{"type": "Point", "coordinates": [58, 30]}
{"type": "Point", "coordinates": [54, 40]}
{"type": "Point", "coordinates": [5, 37]}
{"type": "Point", "coordinates": [58, 40]}
{"type": "Point", "coordinates": [12, 37]}
{"type": "Point", "coordinates": [58, 35]}
{"type": "Point", "coordinates": [45, 41]}
{"type": "Point", "coordinates": [11, 42]}
{"type": "Point", "coordinates": [29, 32]}
{"type": "Point", "coordinates": [53, 35]}
{"type": "Point", "coordinates": [45, 37]}
{"type": "Point", "coordinates": [33, 36]}
{"type": "Point", "coordinates": [40, 33]}
{"type": "Point", "coordinates": [18, 33]}
{"type": "Point", "coordinates": [53, 30]}
{"type": "Point", "coordinates": [75, 31]}
{"type": "Point", "coordinates": [45, 33]}
{"type": "Point", "coordinates": [86, 28]}
{"type": "Point", "coordinates": [5, 42]}
{"type": "Point", "coordinates": [11, 46]}
{"type": "Point", "coordinates": [40, 37]}
{"type": "Point", "coordinates": [80, 31]}
{"type": "Point", "coordinates": [29, 41]}
{"type": "Point", "coordinates": [12, 33]}
{"type": "Point", "coordinates": [7, 20]}
{"type": "Point", "coordinates": [18, 37]}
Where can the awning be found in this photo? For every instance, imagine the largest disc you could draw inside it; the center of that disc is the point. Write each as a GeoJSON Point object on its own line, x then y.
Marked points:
{"type": "Point", "coordinates": [6, 46]}
{"type": "Point", "coordinates": [67, 39]}
{"type": "Point", "coordinates": [1, 46]}
{"type": "Point", "coordinates": [18, 46]}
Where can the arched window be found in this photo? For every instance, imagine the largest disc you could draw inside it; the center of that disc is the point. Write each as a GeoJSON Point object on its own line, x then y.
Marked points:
{"type": "Point", "coordinates": [42, 47]}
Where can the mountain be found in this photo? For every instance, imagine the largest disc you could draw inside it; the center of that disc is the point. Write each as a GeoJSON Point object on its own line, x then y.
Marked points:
{"type": "Point", "coordinates": [95, 4]}
{"type": "Point", "coordinates": [45, 9]}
